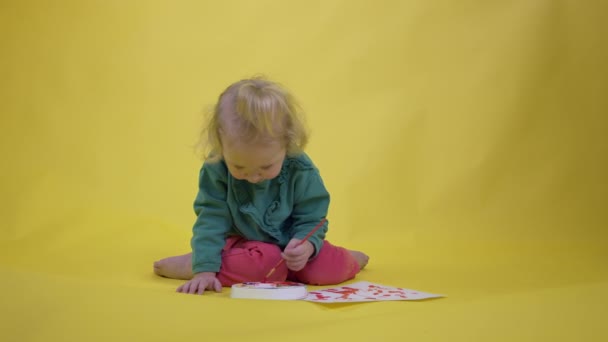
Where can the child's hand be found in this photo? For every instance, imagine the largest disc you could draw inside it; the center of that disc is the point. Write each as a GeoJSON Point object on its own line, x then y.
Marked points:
{"type": "Point", "coordinates": [201, 282]}
{"type": "Point", "coordinates": [297, 257]}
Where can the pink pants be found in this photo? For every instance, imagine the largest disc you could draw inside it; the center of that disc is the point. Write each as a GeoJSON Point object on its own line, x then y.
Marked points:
{"type": "Point", "coordinates": [245, 261]}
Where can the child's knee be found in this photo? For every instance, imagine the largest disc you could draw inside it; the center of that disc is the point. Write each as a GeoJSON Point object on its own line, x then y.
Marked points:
{"type": "Point", "coordinates": [332, 266]}
{"type": "Point", "coordinates": [251, 262]}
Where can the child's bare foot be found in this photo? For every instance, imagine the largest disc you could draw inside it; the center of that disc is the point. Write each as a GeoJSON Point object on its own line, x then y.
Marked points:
{"type": "Point", "coordinates": [361, 258]}
{"type": "Point", "coordinates": [177, 267]}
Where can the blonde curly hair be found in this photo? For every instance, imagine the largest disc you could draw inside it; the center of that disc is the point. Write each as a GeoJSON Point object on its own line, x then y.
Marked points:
{"type": "Point", "coordinates": [254, 110]}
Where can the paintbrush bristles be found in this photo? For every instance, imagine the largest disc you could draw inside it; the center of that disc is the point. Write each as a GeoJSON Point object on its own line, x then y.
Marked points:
{"type": "Point", "coordinates": [270, 273]}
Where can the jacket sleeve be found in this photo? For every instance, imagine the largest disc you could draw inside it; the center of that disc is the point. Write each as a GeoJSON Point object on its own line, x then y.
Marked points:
{"type": "Point", "coordinates": [213, 219]}
{"type": "Point", "coordinates": [311, 203]}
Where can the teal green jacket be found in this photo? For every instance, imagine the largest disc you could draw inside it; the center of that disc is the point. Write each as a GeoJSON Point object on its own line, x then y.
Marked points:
{"type": "Point", "coordinates": [274, 211]}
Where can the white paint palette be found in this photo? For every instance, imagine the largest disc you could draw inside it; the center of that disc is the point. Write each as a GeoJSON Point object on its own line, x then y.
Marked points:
{"type": "Point", "coordinates": [271, 290]}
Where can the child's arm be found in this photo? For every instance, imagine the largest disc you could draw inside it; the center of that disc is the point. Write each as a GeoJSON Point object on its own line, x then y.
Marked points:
{"type": "Point", "coordinates": [310, 207]}
{"type": "Point", "coordinates": [209, 231]}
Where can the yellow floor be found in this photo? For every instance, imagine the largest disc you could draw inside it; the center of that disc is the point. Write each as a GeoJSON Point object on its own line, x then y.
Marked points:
{"type": "Point", "coordinates": [464, 145]}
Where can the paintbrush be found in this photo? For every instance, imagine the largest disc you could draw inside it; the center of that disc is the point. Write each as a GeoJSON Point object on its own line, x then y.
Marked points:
{"type": "Point", "coordinates": [299, 243]}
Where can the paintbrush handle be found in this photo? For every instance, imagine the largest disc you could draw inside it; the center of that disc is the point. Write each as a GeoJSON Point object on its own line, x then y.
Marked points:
{"type": "Point", "coordinates": [314, 230]}
{"type": "Point", "coordinates": [299, 244]}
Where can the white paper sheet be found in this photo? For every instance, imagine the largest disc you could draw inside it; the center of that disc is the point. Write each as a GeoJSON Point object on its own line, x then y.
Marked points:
{"type": "Point", "coordinates": [364, 291]}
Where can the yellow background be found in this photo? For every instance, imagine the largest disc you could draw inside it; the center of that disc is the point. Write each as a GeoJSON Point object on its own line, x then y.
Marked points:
{"type": "Point", "coordinates": [464, 144]}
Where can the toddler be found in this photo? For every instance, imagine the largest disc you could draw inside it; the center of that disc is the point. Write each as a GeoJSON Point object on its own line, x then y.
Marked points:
{"type": "Point", "coordinates": [259, 196]}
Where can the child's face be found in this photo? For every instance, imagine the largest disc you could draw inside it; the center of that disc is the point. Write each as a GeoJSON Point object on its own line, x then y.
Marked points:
{"type": "Point", "coordinates": [254, 162]}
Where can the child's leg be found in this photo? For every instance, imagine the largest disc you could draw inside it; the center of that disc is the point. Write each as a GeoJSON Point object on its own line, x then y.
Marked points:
{"type": "Point", "coordinates": [176, 267]}
{"type": "Point", "coordinates": [333, 265]}
{"type": "Point", "coordinates": [244, 261]}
